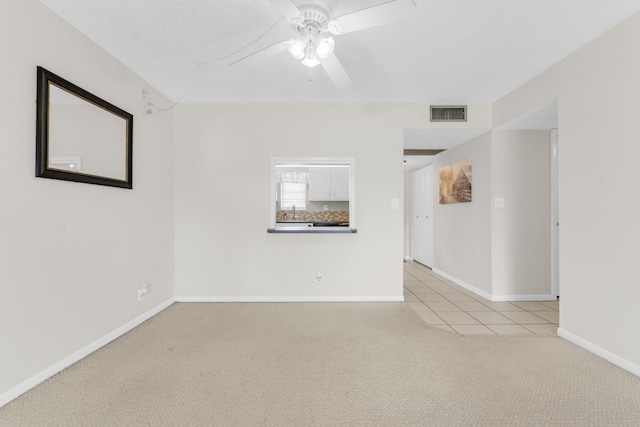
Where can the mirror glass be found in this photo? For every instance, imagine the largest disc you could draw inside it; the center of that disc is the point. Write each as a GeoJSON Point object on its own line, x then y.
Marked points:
{"type": "Point", "coordinates": [312, 193]}
{"type": "Point", "coordinates": [80, 136]}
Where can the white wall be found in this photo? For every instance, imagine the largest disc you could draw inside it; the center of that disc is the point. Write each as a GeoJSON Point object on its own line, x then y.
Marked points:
{"type": "Point", "coordinates": [521, 231]}
{"type": "Point", "coordinates": [73, 255]}
{"type": "Point", "coordinates": [462, 231]}
{"type": "Point", "coordinates": [503, 254]}
{"type": "Point", "coordinates": [598, 90]}
{"type": "Point", "coordinates": [222, 211]}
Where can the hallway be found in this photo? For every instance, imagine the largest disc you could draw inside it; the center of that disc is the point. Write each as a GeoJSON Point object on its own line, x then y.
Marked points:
{"type": "Point", "coordinates": [445, 305]}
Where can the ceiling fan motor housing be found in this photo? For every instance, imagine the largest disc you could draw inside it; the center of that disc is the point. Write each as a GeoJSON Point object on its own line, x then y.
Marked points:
{"type": "Point", "coordinates": [317, 13]}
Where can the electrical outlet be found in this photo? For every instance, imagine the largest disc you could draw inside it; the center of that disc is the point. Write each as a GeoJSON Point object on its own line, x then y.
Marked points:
{"type": "Point", "coordinates": [142, 292]}
{"type": "Point", "coordinates": [318, 278]}
{"type": "Point", "coordinates": [499, 202]}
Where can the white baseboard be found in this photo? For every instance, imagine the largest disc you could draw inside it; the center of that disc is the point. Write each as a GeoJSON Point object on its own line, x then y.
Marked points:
{"type": "Point", "coordinates": [293, 299]}
{"type": "Point", "coordinates": [407, 258]}
{"type": "Point", "coordinates": [39, 378]}
{"type": "Point", "coordinates": [545, 297]}
{"type": "Point", "coordinates": [599, 351]}
{"type": "Point", "coordinates": [463, 284]}
{"type": "Point", "coordinates": [490, 297]}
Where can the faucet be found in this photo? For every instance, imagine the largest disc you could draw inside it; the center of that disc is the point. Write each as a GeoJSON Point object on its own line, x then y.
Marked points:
{"type": "Point", "coordinates": [293, 216]}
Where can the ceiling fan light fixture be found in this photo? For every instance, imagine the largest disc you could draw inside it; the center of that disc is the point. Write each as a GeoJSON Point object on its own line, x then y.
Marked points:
{"type": "Point", "coordinates": [296, 48]}
{"type": "Point", "coordinates": [325, 47]}
{"type": "Point", "coordinates": [310, 55]}
{"type": "Point", "coordinates": [310, 61]}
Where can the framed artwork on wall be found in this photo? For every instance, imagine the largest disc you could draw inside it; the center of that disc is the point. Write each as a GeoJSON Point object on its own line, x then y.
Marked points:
{"type": "Point", "coordinates": [455, 182]}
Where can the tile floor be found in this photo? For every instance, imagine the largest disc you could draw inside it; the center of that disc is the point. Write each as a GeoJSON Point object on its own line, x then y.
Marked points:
{"type": "Point", "coordinates": [445, 305]}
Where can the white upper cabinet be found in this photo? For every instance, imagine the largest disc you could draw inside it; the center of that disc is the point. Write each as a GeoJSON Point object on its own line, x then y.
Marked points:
{"type": "Point", "coordinates": [329, 184]}
{"type": "Point", "coordinates": [340, 183]}
{"type": "Point", "coordinates": [320, 184]}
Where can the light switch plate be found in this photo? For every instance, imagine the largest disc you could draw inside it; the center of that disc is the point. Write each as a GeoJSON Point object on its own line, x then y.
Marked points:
{"type": "Point", "coordinates": [395, 203]}
{"type": "Point", "coordinates": [499, 202]}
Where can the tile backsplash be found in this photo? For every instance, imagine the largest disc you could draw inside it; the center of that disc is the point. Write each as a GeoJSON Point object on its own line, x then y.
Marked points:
{"type": "Point", "coordinates": [334, 216]}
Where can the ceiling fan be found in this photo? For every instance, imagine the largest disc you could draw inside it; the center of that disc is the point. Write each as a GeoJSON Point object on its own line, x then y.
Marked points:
{"type": "Point", "coordinates": [312, 19]}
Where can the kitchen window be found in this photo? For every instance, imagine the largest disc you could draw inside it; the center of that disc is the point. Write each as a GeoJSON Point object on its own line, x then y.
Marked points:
{"type": "Point", "coordinates": [293, 190]}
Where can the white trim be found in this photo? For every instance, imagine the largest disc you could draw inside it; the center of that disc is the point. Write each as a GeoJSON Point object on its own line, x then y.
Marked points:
{"type": "Point", "coordinates": [601, 352]}
{"type": "Point", "coordinates": [63, 364]}
{"type": "Point", "coordinates": [463, 284]}
{"type": "Point", "coordinates": [408, 258]}
{"type": "Point", "coordinates": [292, 299]}
{"type": "Point", "coordinates": [496, 298]}
{"type": "Point", "coordinates": [541, 297]}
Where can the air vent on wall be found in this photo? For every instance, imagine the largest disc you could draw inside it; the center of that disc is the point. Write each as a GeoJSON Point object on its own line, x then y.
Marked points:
{"type": "Point", "coordinates": [448, 113]}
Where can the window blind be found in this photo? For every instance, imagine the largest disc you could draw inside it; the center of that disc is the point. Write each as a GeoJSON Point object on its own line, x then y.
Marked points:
{"type": "Point", "coordinates": [293, 190]}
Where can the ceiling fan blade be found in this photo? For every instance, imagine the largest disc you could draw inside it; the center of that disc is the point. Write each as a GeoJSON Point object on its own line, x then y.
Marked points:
{"type": "Point", "coordinates": [263, 54]}
{"type": "Point", "coordinates": [336, 71]}
{"type": "Point", "coordinates": [286, 8]}
{"type": "Point", "coordinates": [386, 13]}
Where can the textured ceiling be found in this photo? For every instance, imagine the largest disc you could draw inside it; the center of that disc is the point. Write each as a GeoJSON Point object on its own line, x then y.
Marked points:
{"type": "Point", "coordinates": [454, 51]}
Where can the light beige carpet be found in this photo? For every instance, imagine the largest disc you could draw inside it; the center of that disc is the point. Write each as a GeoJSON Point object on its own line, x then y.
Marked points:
{"type": "Point", "coordinates": [327, 364]}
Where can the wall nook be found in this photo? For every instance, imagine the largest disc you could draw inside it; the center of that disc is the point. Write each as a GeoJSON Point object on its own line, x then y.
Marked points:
{"type": "Point", "coordinates": [312, 195]}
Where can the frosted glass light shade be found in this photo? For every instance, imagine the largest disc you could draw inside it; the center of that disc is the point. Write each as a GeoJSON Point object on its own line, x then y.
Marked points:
{"type": "Point", "coordinates": [325, 47]}
{"type": "Point", "coordinates": [296, 48]}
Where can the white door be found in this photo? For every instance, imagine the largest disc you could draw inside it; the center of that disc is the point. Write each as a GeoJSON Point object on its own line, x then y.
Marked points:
{"type": "Point", "coordinates": [555, 218]}
{"type": "Point", "coordinates": [422, 218]}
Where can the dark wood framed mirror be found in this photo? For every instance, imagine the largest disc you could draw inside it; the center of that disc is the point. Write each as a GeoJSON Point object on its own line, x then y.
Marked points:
{"type": "Point", "coordinates": [81, 137]}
